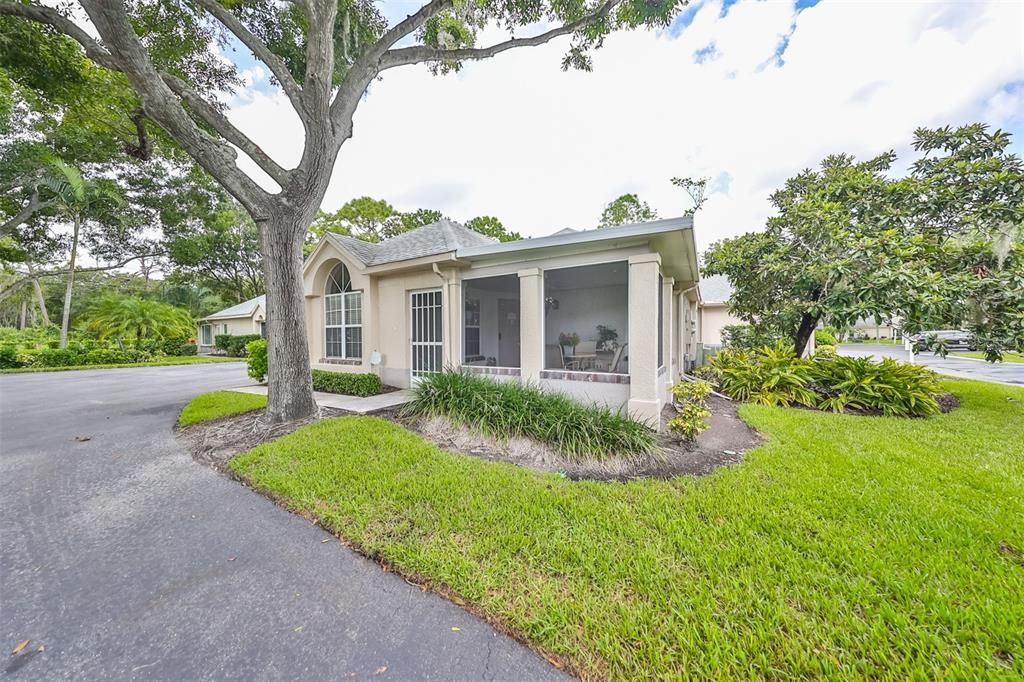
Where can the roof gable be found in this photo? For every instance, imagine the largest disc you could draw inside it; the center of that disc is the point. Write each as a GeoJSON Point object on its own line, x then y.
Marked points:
{"type": "Point", "coordinates": [444, 236]}
{"type": "Point", "coordinates": [244, 309]}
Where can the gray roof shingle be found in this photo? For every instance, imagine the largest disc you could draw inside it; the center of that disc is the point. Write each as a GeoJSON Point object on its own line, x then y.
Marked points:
{"type": "Point", "coordinates": [244, 309]}
{"type": "Point", "coordinates": [429, 240]}
{"type": "Point", "coordinates": [715, 289]}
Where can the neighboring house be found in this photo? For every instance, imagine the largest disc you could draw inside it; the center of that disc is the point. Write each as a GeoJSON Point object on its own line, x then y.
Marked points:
{"type": "Point", "coordinates": [249, 317]}
{"type": "Point", "coordinates": [445, 296]}
{"type": "Point", "coordinates": [714, 311]}
{"type": "Point", "coordinates": [870, 328]}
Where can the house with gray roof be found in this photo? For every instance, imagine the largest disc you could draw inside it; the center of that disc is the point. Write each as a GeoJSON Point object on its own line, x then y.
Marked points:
{"type": "Point", "coordinates": [604, 315]}
{"type": "Point", "coordinates": [248, 317]}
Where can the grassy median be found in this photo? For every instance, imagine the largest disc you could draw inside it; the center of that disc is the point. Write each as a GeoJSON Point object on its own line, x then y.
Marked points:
{"type": "Point", "coordinates": [846, 546]}
{"type": "Point", "coordinates": [219, 404]}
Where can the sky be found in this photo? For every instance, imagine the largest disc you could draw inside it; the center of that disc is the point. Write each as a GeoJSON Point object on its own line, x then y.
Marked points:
{"type": "Point", "coordinates": [746, 93]}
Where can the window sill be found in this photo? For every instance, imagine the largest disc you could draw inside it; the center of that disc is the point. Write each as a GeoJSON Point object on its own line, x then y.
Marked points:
{"type": "Point", "coordinates": [494, 371]}
{"type": "Point", "coordinates": [341, 361]}
{"type": "Point", "coordinates": [592, 377]}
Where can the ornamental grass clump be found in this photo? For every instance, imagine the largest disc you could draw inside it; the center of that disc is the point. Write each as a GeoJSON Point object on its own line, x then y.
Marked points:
{"type": "Point", "coordinates": [511, 409]}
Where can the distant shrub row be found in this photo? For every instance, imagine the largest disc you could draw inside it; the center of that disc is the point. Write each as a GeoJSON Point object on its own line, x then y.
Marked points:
{"type": "Point", "coordinates": [234, 344]}
{"type": "Point", "coordinates": [37, 348]}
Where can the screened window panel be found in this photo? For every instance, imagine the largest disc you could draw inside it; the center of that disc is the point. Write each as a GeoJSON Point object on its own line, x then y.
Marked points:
{"type": "Point", "coordinates": [333, 310]}
{"type": "Point", "coordinates": [353, 342]}
{"type": "Point", "coordinates": [472, 341]}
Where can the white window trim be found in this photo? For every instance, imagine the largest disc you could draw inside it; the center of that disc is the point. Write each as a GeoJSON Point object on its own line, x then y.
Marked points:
{"type": "Point", "coordinates": [206, 335]}
{"type": "Point", "coordinates": [345, 325]}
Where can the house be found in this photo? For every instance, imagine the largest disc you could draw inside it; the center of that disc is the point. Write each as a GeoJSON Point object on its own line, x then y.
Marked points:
{"type": "Point", "coordinates": [714, 312]}
{"type": "Point", "coordinates": [445, 296]}
{"type": "Point", "coordinates": [870, 328]}
{"type": "Point", "coordinates": [249, 317]}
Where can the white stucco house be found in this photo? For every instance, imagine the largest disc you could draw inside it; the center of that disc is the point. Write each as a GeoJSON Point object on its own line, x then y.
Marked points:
{"type": "Point", "coordinates": [445, 296]}
{"type": "Point", "coordinates": [714, 311]}
{"type": "Point", "coordinates": [248, 317]}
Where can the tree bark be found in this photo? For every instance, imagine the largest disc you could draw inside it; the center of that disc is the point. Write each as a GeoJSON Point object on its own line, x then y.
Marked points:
{"type": "Point", "coordinates": [66, 313]}
{"type": "Point", "coordinates": [24, 314]}
{"type": "Point", "coordinates": [290, 388]}
{"type": "Point", "coordinates": [803, 333]}
{"type": "Point", "coordinates": [40, 299]}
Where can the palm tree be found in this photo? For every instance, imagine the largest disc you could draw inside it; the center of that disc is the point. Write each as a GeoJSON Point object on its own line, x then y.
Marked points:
{"type": "Point", "coordinates": [123, 317]}
{"type": "Point", "coordinates": [76, 200]}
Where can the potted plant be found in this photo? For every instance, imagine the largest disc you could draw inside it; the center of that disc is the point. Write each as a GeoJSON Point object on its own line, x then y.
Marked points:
{"type": "Point", "coordinates": [607, 338]}
{"type": "Point", "coordinates": [569, 341]}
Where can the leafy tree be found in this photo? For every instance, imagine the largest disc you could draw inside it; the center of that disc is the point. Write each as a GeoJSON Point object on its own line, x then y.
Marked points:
{"type": "Point", "coordinates": [122, 317]}
{"type": "Point", "coordinates": [939, 248]}
{"type": "Point", "coordinates": [491, 227]}
{"type": "Point", "coordinates": [418, 218]}
{"type": "Point", "coordinates": [625, 210]}
{"type": "Point", "coordinates": [697, 189]}
{"type": "Point", "coordinates": [222, 251]}
{"type": "Point", "coordinates": [323, 54]}
{"type": "Point", "coordinates": [81, 201]}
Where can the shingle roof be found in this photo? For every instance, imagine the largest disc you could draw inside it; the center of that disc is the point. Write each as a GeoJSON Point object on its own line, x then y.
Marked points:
{"type": "Point", "coordinates": [244, 309]}
{"type": "Point", "coordinates": [429, 240]}
{"type": "Point", "coordinates": [715, 289]}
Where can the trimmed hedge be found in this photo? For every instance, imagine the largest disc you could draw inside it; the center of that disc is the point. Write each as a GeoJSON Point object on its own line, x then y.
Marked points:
{"type": "Point", "coordinates": [234, 345]}
{"type": "Point", "coordinates": [346, 384]}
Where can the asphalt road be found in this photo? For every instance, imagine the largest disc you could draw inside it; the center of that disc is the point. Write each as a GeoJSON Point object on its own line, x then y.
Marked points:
{"type": "Point", "coordinates": [964, 368]}
{"type": "Point", "coordinates": [125, 559]}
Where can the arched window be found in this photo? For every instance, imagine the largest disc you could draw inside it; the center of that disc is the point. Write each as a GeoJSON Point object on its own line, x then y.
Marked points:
{"type": "Point", "coordinates": [343, 316]}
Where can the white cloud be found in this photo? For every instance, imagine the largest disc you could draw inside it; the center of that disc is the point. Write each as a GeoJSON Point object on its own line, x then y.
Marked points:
{"type": "Point", "coordinates": [541, 149]}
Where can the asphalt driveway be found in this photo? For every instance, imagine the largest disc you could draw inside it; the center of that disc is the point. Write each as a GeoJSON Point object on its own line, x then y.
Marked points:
{"type": "Point", "coordinates": [124, 559]}
{"type": "Point", "coordinates": [964, 368]}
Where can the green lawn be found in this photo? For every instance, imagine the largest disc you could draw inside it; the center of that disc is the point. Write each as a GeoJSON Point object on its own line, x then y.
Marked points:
{"type": "Point", "coordinates": [162, 362]}
{"type": "Point", "coordinates": [1007, 357]}
{"type": "Point", "coordinates": [846, 546]}
{"type": "Point", "coordinates": [220, 404]}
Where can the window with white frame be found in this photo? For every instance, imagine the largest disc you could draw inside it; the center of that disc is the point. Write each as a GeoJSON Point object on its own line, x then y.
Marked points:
{"type": "Point", "coordinates": [472, 329]}
{"type": "Point", "coordinates": [343, 316]}
{"type": "Point", "coordinates": [207, 339]}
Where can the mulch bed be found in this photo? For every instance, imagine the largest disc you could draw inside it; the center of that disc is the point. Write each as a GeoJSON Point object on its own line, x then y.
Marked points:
{"type": "Point", "coordinates": [724, 442]}
{"type": "Point", "coordinates": [215, 442]}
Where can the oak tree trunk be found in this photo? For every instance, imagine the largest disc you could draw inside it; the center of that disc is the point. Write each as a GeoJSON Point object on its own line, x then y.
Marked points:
{"type": "Point", "coordinates": [66, 313]}
{"type": "Point", "coordinates": [803, 333]}
{"type": "Point", "coordinates": [290, 388]}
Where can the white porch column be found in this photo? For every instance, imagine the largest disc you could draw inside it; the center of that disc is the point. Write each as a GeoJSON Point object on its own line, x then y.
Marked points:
{"type": "Point", "coordinates": [452, 319]}
{"type": "Point", "coordinates": [531, 323]}
{"type": "Point", "coordinates": [644, 394]}
{"type": "Point", "coordinates": [669, 320]}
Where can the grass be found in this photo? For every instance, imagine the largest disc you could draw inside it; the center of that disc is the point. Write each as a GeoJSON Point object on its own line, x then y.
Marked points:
{"type": "Point", "coordinates": [846, 546]}
{"type": "Point", "coordinates": [220, 404]}
{"type": "Point", "coordinates": [507, 409]}
{"type": "Point", "coordinates": [162, 362]}
{"type": "Point", "coordinates": [978, 355]}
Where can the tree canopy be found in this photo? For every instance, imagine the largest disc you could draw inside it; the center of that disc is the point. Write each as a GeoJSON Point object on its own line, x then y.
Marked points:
{"type": "Point", "coordinates": [627, 209]}
{"type": "Point", "coordinates": [937, 248]}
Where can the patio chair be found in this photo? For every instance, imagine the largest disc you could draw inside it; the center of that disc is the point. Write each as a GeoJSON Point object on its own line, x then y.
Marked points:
{"type": "Point", "coordinates": [620, 353]}
{"type": "Point", "coordinates": [555, 358]}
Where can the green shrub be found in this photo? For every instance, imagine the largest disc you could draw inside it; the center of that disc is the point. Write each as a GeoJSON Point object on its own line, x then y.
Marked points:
{"type": "Point", "coordinates": [745, 337]}
{"type": "Point", "coordinates": [256, 354]}
{"type": "Point", "coordinates": [9, 357]}
{"type": "Point", "coordinates": [187, 349]}
{"type": "Point", "coordinates": [234, 345]}
{"type": "Point", "coordinates": [775, 376]}
{"type": "Point", "coordinates": [346, 384]}
{"type": "Point", "coordinates": [772, 375]}
{"type": "Point", "coordinates": [893, 388]}
{"type": "Point", "coordinates": [59, 357]}
{"type": "Point", "coordinates": [824, 349]}
{"type": "Point", "coordinates": [824, 337]}
{"type": "Point", "coordinates": [691, 409]}
{"type": "Point", "coordinates": [511, 409]}
{"type": "Point", "coordinates": [108, 356]}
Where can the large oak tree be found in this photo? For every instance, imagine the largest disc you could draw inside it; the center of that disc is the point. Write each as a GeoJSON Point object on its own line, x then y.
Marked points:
{"type": "Point", "coordinates": [323, 54]}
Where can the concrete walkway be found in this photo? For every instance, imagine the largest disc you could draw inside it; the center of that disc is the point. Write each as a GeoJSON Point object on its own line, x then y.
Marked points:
{"type": "Point", "coordinates": [124, 559]}
{"type": "Point", "coordinates": [349, 403]}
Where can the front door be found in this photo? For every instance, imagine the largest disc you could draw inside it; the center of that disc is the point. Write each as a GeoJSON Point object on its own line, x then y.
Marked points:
{"type": "Point", "coordinates": [426, 327]}
{"type": "Point", "coordinates": [508, 332]}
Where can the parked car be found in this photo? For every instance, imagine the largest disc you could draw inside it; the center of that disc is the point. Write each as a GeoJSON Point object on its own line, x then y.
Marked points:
{"type": "Point", "coordinates": [953, 339]}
